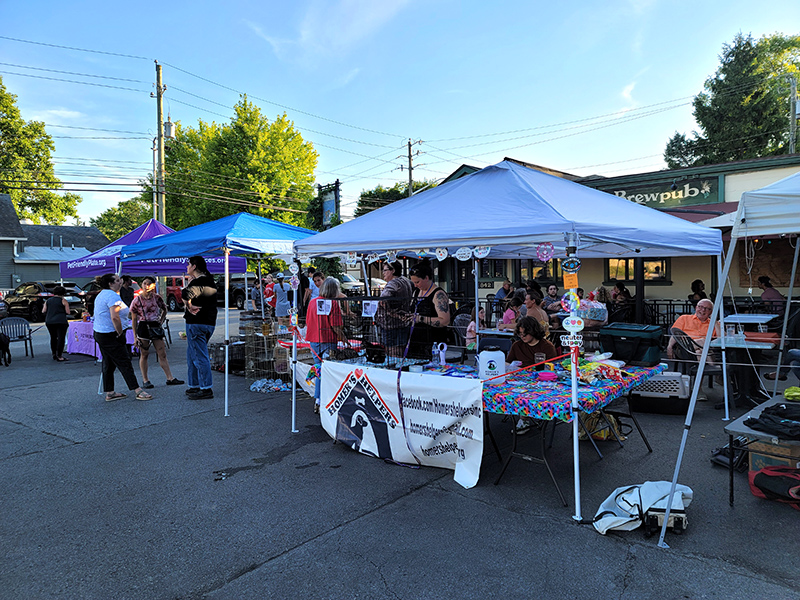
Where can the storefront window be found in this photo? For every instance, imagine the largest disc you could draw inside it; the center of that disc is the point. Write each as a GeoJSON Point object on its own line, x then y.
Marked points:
{"type": "Point", "coordinates": [622, 269]}
{"type": "Point", "coordinates": [493, 269]}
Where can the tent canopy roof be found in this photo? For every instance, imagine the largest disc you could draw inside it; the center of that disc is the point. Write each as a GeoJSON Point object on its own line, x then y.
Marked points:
{"type": "Point", "coordinates": [513, 209]}
{"type": "Point", "coordinates": [242, 233]}
{"type": "Point", "coordinates": [771, 210]}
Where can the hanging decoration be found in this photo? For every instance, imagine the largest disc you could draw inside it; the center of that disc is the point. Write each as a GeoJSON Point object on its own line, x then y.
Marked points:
{"type": "Point", "coordinates": [421, 252]}
{"type": "Point", "coordinates": [352, 259]}
{"type": "Point", "coordinates": [391, 255]}
{"type": "Point", "coordinates": [441, 253]}
{"type": "Point", "coordinates": [463, 253]}
{"type": "Point", "coordinates": [481, 251]}
{"type": "Point", "coordinates": [294, 282]}
{"type": "Point", "coordinates": [570, 301]}
{"type": "Point", "coordinates": [571, 264]}
{"type": "Point", "coordinates": [304, 258]}
{"type": "Point", "coordinates": [371, 258]}
{"type": "Point", "coordinates": [294, 268]}
{"type": "Point", "coordinates": [545, 251]}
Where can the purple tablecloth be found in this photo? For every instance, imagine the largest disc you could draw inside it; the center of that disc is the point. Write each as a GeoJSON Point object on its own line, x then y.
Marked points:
{"type": "Point", "coordinates": [80, 339]}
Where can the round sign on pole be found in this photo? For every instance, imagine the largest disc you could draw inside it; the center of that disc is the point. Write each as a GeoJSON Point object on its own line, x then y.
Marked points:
{"type": "Point", "coordinates": [481, 251]}
{"type": "Point", "coordinates": [294, 282]}
{"type": "Point", "coordinates": [573, 324]}
{"type": "Point", "coordinates": [294, 269]}
{"type": "Point", "coordinates": [441, 253]}
{"type": "Point", "coordinates": [463, 253]}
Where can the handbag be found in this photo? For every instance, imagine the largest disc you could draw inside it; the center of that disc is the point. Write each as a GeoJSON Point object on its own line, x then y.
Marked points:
{"type": "Point", "coordinates": [150, 330]}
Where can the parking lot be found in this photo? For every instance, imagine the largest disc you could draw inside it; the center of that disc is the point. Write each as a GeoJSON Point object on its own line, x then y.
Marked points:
{"type": "Point", "coordinates": [169, 499]}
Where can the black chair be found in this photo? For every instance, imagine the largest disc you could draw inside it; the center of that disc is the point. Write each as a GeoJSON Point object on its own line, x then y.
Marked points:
{"type": "Point", "coordinates": [18, 330]}
{"type": "Point", "coordinates": [503, 343]}
{"type": "Point", "coordinates": [688, 352]}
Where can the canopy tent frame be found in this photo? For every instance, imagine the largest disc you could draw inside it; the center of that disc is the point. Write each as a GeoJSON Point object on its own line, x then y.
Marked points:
{"type": "Point", "coordinates": [241, 233]}
{"type": "Point", "coordinates": [590, 223]}
{"type": "Point", "coordinates": [771, 210]}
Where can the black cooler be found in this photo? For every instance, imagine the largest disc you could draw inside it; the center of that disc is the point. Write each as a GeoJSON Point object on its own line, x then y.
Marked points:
{"type": "Point", "coordinates": [637, 345]}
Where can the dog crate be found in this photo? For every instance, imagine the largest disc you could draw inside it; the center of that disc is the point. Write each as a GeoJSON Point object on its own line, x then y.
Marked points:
{"type": "Point", "coordinates": [667, 393]}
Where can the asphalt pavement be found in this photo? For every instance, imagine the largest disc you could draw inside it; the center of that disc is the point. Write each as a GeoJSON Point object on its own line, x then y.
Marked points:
{"type": "Point", "coordinates": [169, 499]}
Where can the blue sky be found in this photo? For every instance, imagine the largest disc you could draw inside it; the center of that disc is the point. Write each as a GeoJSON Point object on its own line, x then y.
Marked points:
{"type": "Point", "coordinates": [584, 87]}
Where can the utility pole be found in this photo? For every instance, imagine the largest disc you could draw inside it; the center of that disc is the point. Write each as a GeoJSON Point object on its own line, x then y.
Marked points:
{"type": "Point", "coordinates": [411, 166]}
{"type": "Point", "coordinates": [792, 113]}
{"type": "Point", "coordinates": [160, 199]}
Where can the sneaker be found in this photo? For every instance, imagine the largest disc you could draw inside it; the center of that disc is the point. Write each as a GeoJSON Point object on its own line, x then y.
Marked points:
{"type": "Point", "coordinates": [147, 385]}
{"type": "Point", "coordinates": [175, 381]}
{"type": "Point", "coordinates": [190, 391]}
{"type": "Point", "coordinates": [202, 394]}
{"type": "Point", "coordinates": [523, 426]}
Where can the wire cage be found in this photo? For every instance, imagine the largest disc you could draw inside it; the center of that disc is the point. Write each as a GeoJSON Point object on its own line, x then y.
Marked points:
{"type": "Point", "coordinates": [378, 331]}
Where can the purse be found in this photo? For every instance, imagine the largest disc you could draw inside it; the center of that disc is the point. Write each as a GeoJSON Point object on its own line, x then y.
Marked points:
{"type": "Point", "coordinates": [150, 330]}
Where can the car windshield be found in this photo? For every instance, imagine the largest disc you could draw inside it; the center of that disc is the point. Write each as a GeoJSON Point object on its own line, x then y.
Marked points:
{"type": "Point", "coordinates": [348, 278]}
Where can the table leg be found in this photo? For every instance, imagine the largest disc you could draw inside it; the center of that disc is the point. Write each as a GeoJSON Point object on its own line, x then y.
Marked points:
{"type": "Point", "coordinates": [730, 468]}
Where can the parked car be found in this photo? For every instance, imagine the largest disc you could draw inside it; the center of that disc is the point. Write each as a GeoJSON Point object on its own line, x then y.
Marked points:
{"type": "Point", "coordinates": [174, 287]}
{"type": "Point", "coordinates": [88, 294]}
{"type": "Point", "coordinates": [355, 287]}
{"type": "Point", "coordinates": [238, 293]}
{"type": "Point", "coordinates": [28, 299]}
{"type": "Point", "coordinates": [3, 307]}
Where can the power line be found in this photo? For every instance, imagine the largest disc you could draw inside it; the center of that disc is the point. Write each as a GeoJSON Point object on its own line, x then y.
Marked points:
{"type": "Point", "coordinates": [5, 37]}
{"type": "Point", "coordinates": [113, 87]}
{"type": "Point", "coordinates": [95, 129]}
{"type": "Point", "coordinates": [73, 73]}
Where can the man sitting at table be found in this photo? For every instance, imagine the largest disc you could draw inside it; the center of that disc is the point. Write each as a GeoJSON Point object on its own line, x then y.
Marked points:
{"type": "Point", "coordinates": [695, 326]}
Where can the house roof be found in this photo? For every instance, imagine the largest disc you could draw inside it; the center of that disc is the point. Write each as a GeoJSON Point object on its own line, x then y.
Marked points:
{"type": "Point", "coordinates": [45, 254]}
{"type": "Point", "coordinates": [9, 221]}
{"type": "Point", "coordinates": [88, 238]}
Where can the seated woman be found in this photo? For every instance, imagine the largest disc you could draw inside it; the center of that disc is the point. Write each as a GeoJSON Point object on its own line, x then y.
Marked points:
{"type": "Point", "coordinates": [531, 342]}
{"type": "Point", "coordinates": [511, 315]}
{"type": "Point", "coordinates": [698, 292]}
{"type": "Point", "coordinates": [621, 294]}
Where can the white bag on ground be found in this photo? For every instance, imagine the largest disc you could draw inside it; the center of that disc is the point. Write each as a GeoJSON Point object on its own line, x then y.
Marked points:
{"type": "Point", "coordinates": [624, 508]}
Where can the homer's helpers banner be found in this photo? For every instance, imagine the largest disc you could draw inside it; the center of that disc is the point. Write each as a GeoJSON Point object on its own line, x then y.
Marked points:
{"type": "Point", "coordinates": [439, 425]}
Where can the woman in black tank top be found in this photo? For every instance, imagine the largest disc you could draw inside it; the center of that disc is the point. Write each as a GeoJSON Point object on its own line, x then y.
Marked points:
{"type": "Point", "coordinates": [433, 311]}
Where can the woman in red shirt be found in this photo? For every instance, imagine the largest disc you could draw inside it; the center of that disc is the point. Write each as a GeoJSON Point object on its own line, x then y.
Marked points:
{"type": "Point", "coordinates": [324, 327]}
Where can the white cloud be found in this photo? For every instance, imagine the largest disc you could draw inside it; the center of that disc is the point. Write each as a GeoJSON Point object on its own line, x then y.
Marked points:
{"type": "Point", "coordinates": [332, 29]}
{"type": "Point", "coordinates": [58, 114]}
{"type": "Point", "coordinates": [627, 92]}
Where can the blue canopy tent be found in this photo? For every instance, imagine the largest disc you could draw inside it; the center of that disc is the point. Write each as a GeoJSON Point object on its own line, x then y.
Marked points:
{"type": "Point", "coordinates": [242, 233]}
{"type": "Point", "coordinates": [106, 260]}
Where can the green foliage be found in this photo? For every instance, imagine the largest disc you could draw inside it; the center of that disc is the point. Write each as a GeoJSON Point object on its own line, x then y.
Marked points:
{"type": "Point", "coordinates": [743, 112]}
{"type": "Point", "coordinates": [125, 217]}
{"type": "Point", "coordinates": [251, 165]}
{"type": "Point", "coordinates": [369, 200]}
{"type": "Point", "coordinates": [26, 171]}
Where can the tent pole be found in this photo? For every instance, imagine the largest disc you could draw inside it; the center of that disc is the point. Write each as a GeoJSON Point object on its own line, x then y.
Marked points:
{"type": "Point", "coordinates": [227, 328]}
{"type": "Point", "coordinates": [295, 324]}
{"type": "Point", "coordinates": [698, 381]}
{"type": "Point", "coordinates": [261, 289]}
{"type": "Point", "coordinates": [786, 314]}
{"type": "Point", "coordinates": [476, 266]}
{"type": "Point", "coordinates": [727, 403]}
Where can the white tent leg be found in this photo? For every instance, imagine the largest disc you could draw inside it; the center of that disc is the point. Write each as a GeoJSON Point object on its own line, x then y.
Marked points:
{"type": "Point", "coordinates": [720, 292]}
{"type": "Point", "coordinates": [294, 359]}
{"type": "Point", "coordinates": [476, 265]}
{"type": "Point", "coordinates": [227, 327]}
{"type": "Point", "coordinates": [698, 381]}
{"type": "Point", "coordinates": [786, 313]}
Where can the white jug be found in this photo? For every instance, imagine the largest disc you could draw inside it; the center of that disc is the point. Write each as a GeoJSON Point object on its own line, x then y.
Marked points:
{"type": "Point", "coordinates": [491, 363]}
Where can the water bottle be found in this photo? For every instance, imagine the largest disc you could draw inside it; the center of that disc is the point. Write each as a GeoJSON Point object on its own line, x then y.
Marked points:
{"type": "Point", "coordinates": [435, 355]}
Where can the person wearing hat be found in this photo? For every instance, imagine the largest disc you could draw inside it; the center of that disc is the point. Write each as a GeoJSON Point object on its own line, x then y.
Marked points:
{"type": "Point", "coordinates": [283, 300]}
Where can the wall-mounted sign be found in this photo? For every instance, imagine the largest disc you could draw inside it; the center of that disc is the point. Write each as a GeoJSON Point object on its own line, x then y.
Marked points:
{"type": "Point", "coordinates": [686, 192]}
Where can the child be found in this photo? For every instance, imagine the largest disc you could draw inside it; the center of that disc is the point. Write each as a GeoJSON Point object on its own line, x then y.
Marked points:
{"type": "Point", "coordinates": [472, 333]}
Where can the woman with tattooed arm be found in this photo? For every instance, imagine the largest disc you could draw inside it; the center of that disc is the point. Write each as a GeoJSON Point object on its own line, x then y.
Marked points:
{"type": "Point", "coordinates": [432, 315]}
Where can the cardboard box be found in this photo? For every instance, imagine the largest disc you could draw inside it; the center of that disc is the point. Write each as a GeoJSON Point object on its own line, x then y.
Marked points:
{"type": "Point", "coordinates": [788, 456]}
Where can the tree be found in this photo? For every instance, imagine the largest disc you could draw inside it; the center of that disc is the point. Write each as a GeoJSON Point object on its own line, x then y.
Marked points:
{"type": "Point", "coordinates": [743, 112]}
{"type": "Point", "coordinates": [251, 164]}
{"type": "Point", "coordinates": [369, 200]}
{"type": "Point", "coordinates": [26, 171]}
{"type": "Point", "coordinates": [124, 218]}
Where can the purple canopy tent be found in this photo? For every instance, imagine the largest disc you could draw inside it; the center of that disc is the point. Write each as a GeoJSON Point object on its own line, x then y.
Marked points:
{"type": "Point", "coordinates": [106, 260]}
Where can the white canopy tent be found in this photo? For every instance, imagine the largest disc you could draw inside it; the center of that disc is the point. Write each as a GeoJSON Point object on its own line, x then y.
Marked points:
{"type": "Point", "coordinates": [771, 210]}
{"type": "Point", "coordinates": [512, 209]}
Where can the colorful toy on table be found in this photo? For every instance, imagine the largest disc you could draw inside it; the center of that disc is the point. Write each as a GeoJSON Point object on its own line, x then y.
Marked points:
{"type": "Point", "coordinates": [593, 373]}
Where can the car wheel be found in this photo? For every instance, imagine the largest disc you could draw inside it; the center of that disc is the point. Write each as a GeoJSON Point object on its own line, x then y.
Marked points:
{"type": "Point", "coordinates": [33, 314]}
{"type": "Point", "coordinates": [172, 303]}
{"type": "Point", "coordinates": [239, 301]}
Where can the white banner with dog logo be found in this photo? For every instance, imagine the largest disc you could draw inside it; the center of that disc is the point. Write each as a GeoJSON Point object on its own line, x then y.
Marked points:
{"type": "Point", "coordinates": [440, 423]}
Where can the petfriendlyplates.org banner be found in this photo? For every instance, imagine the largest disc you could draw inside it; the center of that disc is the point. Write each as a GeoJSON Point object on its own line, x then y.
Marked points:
{"type": "Point", "coordinates": [440, 425]}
